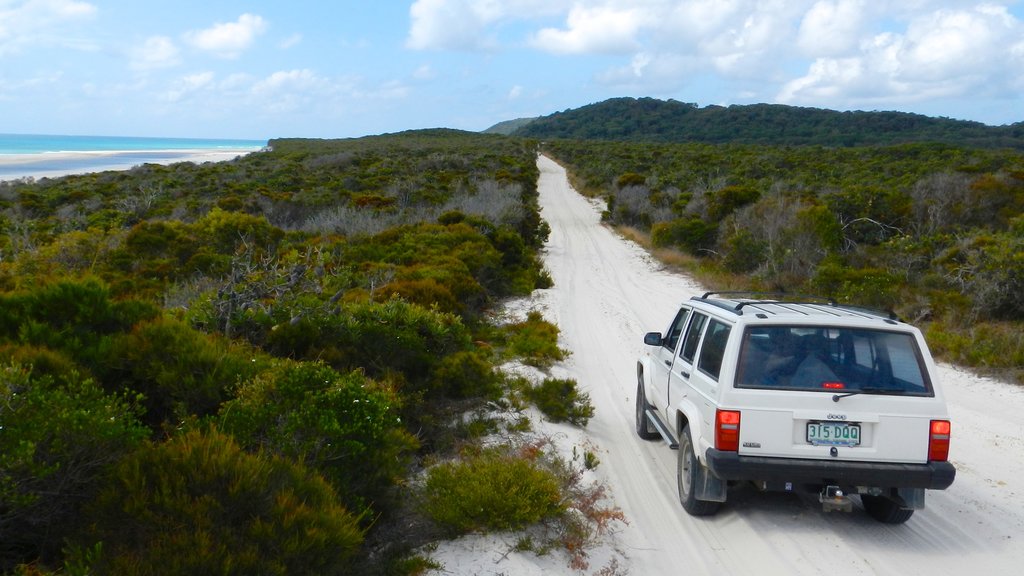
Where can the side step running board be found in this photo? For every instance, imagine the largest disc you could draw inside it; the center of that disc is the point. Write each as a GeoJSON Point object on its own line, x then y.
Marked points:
{"type": "Point", "coordinates": [655, 420]}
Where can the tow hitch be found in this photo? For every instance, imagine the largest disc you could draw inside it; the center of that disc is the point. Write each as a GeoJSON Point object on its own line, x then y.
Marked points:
{"type": "Point", "coordinates": [833, 498]}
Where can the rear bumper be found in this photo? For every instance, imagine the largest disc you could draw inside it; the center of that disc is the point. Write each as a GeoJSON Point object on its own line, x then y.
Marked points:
{"type": "Point", "coordinates": [732, 466]}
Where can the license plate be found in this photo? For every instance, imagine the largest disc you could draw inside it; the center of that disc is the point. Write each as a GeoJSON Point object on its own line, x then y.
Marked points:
{"type": "Point", "coordinates": [833, 434]}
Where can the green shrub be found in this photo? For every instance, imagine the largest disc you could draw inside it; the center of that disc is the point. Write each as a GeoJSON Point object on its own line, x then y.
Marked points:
{"type": "Point", "coordinates": [871, 287]}
{"type": "Point", "coordinates": [57, 436]}
{"type": "Point", "coordinates": [561, 401]}
{"type": "Point", "coordinates": [199, 504]}
{"type": "Point", "coordinates": [426, 292]}
{"type": "Point", "coordinates": [378, 337]}
{"type": "Point", "coordinates": [181, 372]}
{"type": "Point", "coordinates": [993, 346]}
{"type": "Point", "coordinates": [691, 233]}
{"type": "Point", "coordinates": [491, 491]}
{"type": "Point", "coordinates": [534, 341]}
{"type": "Point", "coordinates": [343, 425]}
{"type": "Point", "coordinates": [76, 317]}
{"type": "Point", "coordinates": [226, 230]}
{"type": "Point", "coordinates": [466, 374]}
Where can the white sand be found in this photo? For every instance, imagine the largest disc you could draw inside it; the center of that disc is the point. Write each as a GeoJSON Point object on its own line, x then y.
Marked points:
{"type": "Point", "coordinates": [56, 164]}
{"type": "Point", "coordinates": [607, 293]}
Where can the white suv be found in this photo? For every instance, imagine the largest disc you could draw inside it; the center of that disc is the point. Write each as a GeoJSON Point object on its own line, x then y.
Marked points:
{"type": "Point", "coordinates": [796, 396]}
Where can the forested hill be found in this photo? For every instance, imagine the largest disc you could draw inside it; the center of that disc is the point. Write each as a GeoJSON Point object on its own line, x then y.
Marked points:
{"type": "Point", "coordinates": [652, 120]}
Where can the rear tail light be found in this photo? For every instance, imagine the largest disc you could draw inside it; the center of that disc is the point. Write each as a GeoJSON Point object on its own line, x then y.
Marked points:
{"type": "Point", "coordinates": [727, 430]}
{"type": "Point", "coordinates": [938, 441]}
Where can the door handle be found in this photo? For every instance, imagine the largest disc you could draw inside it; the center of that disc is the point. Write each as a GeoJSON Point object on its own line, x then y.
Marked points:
{"type": "Point", "coordinates": [685, 375]}
{"type": "Point", "coordinates": [667, 363]}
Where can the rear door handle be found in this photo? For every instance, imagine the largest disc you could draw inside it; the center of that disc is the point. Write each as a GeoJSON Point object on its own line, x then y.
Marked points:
{"type": "Point", "coordinates": [685, 375]}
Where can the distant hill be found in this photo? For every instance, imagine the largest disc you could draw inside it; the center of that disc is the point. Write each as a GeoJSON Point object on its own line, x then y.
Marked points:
{"type": "Point", "coordinates": [652, 120]}
{"type": "Point", "coordinates": [508, 127]}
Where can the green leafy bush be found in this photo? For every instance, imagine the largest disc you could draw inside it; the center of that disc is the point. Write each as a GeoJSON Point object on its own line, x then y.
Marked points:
{"type": "Point", "coordinates": [534, 341]}
{"type": "Point", "coordinates": [199, 504]}
{"type": "Point", "coordinates": [692, 233]}
{"type": "Point", "coordinates": [491, 490]}
{"type": "Point", "coordinates": [57, 437]}
{"type": "Point", "coordinates": [343, 425]}
{"type": "Point", "coordinates": [466, 374]}
{"type": "Point", "coordinates": [378, 337]}
{"type": "Point", "coordinates": [76, 317]}
{"type": "Point", "coordinates": [561, 401]}
{"type": "Point", "coordinates": [181, 372]}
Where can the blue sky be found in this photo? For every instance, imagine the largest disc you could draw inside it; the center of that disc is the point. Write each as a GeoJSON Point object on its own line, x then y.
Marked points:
{"type": "Point", "coordinates": [345, 68]}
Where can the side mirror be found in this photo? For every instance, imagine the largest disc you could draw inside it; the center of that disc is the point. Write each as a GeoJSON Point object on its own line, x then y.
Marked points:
{"type": "Point", "coordinates": [653, 339]}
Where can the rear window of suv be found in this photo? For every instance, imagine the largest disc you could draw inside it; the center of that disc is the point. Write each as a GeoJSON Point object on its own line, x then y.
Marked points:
{"type": "Point", "coordinates": [831, 359]}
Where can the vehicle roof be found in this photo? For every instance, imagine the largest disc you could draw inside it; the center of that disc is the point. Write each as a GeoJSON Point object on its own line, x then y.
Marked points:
{"type": "Point", "coordinates": [801, 311]}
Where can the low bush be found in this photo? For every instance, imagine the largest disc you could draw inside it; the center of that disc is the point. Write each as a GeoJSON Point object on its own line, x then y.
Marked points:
{"type": "Point", "coordinates": [997, 347]}
{"type": "Point", "coordinates": [181, 372]}
{"type": "Point", "coordinates": [75, 317]}
{"type": "Point", "coordinates": [534, 341]}
{"type": "Point", "coordinates": [57, 437]}
{"type": "Point", "coordinates": [343, 425]}
{"type": "Point", "coordinates": [491, 490]}
{"type": "Point", "coordinates": [561, 401]}
{"type": "Point", "coordinates": [378, 337]}
{"type": "Point", "coordinates": [199, 504]}
{"type": "Point", "coordinates": [466, 374]}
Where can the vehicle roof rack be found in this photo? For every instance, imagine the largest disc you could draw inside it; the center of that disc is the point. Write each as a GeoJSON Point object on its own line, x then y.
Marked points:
{"type": "Point", "coordinates": [787, 298]}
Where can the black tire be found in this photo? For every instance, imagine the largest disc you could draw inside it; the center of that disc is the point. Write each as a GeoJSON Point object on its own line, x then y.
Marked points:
{"type": "Point", "coordinates": [885, 510]}
{"type": "Point", "coordinates": [644, 429]}
{"type": "Point", "coordinates": [686, 476]}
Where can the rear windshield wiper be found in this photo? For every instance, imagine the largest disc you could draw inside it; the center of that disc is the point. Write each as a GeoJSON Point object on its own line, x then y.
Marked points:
{"type": "Point", "coordinates": [869, 390]}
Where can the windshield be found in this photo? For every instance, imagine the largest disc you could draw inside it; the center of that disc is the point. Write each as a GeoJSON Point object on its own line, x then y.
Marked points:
{"type": "Point", "coordinates": [831, 359]}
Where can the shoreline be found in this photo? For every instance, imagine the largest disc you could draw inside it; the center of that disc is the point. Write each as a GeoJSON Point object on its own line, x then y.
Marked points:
{"type": "Point", "coordinates": [58, 164]}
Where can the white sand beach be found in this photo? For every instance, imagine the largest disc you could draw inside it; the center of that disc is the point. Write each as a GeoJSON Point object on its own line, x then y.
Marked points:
{"type": "Point", "coordinates": [56, 164]}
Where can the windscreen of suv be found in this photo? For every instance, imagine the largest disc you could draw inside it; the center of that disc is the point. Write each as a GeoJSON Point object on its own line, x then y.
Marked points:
{"type": "Point", "coordinates": [831, 359]}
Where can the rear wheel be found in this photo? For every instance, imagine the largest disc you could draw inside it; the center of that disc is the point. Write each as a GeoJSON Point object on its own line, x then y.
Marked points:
{"type": "Point", "coordinates": [687, 472]}
{"type": "Point", "coordinates": [643, 423]}
{"type": "Point", "coordinates": [885, 510]}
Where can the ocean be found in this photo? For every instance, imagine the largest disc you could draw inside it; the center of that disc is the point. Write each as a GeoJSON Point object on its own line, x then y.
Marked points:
{"type": "Point", "coordinates": [39, 155]}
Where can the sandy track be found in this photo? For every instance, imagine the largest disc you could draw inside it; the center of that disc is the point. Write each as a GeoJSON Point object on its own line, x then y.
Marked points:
{"type": "Point", "coordinates": [607, 293]}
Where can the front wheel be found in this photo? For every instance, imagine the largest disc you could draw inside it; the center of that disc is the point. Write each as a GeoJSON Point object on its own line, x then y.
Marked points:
{"type": "Point", "coordinates": [687, 473]}
{"type": "Point", "coordinates": [885, 510]}
{"type": "Point", "coordinates": [643, 423]}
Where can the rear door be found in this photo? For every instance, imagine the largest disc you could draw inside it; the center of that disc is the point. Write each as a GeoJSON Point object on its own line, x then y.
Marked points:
{"type": "Point", "coordinates": [834, 393]}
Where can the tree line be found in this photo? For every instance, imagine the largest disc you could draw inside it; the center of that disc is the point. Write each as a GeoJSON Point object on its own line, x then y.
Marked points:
{"type": "Point", "coordinates": [932, 231]}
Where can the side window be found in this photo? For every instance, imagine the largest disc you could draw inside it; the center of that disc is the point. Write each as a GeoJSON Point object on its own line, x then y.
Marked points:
{"type": "Point", "coordinates": [676, 330]}
{"type": "Point", "coordinates": [714, 348]}
{"type": "Point", "coordinates": [693, 337]}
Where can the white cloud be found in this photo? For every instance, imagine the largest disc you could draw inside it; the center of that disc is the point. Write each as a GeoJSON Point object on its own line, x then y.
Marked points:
{"type": "Point", "coordinates": [599, 29]}
{"type": "Point", "coordinates": [190, 84]}
{"type": "Point", "coordinates": [515, 93]}
{"type": "Point", "coordinates": [424, 72]}
{"type": "Point", "coordinates": [289, 80]}
{"type": "Point", "coordinates": [293, 40]}
{"type": "Point", "coordinates": [228, 39]}
{"type": "Point", "coordinates": [941, 54]}
{"type": "Point", "coordinates": [832, 27]}
{"type": "Point", "coordinates": [452, 24]}
{"type": "Point", "coordinates": [41, 22]}
{"type": "Point", "coordinates": [470, 24]}
{"type": "Point", "coordinates": [155, 52]}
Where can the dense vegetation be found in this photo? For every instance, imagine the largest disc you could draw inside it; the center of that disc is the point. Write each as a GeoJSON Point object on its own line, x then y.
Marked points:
{"type": "Point", "coordinates": [235, 368]}
{"type": "Point", "coordinates": [651, 120]}
{"type": "Point", "coordinates": [287, 363]}
{"type": "Point", "coordinates": [934, 231]}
